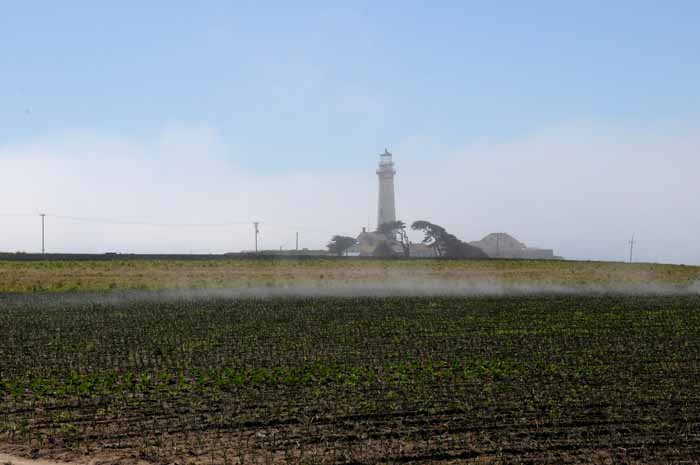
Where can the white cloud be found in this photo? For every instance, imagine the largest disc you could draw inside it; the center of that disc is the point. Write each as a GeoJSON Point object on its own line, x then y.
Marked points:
{"type": "Point", "coordinates": [183, 176]}
{"type": "Point", "coordinates": [582, 189]}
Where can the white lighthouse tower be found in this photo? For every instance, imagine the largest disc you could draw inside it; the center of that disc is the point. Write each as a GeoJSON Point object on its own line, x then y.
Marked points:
{"type": "Point", "coordinates": [386, 211]}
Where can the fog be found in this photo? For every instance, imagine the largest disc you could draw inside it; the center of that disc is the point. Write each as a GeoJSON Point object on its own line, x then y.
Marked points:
{"type": "Point", "coordinates": [582, 188]}
{"type": "Point", "coordinates": [405, 288]}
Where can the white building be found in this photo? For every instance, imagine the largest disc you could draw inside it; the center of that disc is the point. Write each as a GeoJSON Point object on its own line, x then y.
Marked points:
{"type": "Point", "coordinates": [368, 241]}
{"type": "Point", "coordinates": [386, 208]}
{"type": "Point", "coordinates": [502, 245]}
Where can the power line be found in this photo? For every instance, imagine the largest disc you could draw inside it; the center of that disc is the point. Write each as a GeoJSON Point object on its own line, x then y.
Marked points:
{"type": "Point", "coordinates": [311, 231]}
{"type": "Point", "coordinates": [43, 216]}
{"type": "Point", "coordinates": [301, 228]}
{"type": "Point", "coordinates": [632, 242]}
{"type": "Point", "coordinates": [114, 221]}
{"type": "Point", "coordinates": [145, 223]}
{"type": "Point", "coordinates": [257, 231]}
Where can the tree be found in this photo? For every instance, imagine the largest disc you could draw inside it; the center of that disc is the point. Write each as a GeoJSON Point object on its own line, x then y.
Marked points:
{"type": "Point", "coordinates": [434, 235]}
{"type": "Point", "coordinates": [384, 250]}
{"type": "Point", "coordinates": [340, 244]}
{"type": "Point", "coordinates": [396, 229]}
{"type": "Point", "coordinates": [446, 245]}
{"type": "Point", "coordinates": [454, 248]}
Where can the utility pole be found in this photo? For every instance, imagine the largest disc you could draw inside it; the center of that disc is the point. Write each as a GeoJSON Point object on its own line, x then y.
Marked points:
{"type": "Point", "coordinates": [631, 248]}
{"type": "Point", "coordinates": [43, 215]}
{"type": "Point", "coordinates": [297, 246]}
{"type": "Point", "coordinates": [257, 231]}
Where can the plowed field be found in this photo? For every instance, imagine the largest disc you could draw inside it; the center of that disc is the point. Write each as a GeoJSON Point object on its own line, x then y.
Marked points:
{"type": "Point", "coordinates": [353, 380]}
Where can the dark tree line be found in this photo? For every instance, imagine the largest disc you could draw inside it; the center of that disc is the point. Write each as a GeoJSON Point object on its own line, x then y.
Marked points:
{"type": "Point", "coordinates": [340, 244]}
{"type": "Point", "coordinates": [444, 244]}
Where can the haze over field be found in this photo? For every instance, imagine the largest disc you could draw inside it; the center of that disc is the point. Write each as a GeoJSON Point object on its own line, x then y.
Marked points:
{"type": "Point", "coordinates": [571, 131]}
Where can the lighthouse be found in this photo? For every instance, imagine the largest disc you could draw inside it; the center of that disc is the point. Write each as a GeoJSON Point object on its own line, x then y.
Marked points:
{"type": "Point", "coordinates": [386, 209]}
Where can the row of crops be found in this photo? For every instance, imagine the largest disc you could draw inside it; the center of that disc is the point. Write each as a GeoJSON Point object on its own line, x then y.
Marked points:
{"type": "Point", "coordinates": [353, 380]}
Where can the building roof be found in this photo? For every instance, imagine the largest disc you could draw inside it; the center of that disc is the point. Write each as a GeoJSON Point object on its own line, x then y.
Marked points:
{"type": "Point", "coordinates": [503, 240]}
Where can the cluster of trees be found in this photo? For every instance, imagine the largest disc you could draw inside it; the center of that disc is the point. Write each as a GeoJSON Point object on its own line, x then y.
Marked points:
{"type": "Point", "coordinates": [340, 244]}
{"type": "Point", "coordinates": [444, 244]}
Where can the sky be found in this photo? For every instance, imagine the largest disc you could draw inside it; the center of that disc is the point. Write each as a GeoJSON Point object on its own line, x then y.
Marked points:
{"type": "Point", "coordinates": [172, 126]}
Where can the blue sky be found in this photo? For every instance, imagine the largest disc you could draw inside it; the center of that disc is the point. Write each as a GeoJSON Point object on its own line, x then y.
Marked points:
{"type": "Point", "coordinates": [303, 87]}
{"type": "Point", "coordinates": [308, 83]}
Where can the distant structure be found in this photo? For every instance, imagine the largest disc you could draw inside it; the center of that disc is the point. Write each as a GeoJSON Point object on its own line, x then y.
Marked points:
{"type": "Point", "coordinates": [386, 211]}
{"type": "Point", "coordinates": [502, 245]}
{"type": "Point", "coordinates": [496, 245]}
{"type": "Point", "coordinates": [368, 241]}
